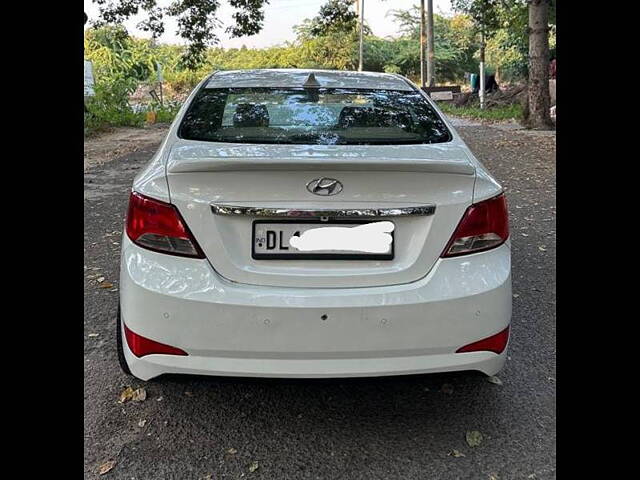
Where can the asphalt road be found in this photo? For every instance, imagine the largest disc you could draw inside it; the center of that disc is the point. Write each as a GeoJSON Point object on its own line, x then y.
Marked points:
{"type": "Point", "coordinates": [388, 428]}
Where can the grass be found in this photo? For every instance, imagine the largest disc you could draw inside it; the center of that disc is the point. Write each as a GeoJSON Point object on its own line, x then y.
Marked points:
{"type": "Point", "coordinates": [504, 112]}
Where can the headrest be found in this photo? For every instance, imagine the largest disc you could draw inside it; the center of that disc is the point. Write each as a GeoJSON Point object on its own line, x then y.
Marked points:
{"type": "Point", "coordinates": [251, 115]}
{"type": "Point", "coordinates": [374, 117]}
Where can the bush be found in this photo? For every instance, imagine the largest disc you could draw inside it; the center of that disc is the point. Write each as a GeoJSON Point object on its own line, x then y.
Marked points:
{"type": "Point", "coordinates": [110, 107]}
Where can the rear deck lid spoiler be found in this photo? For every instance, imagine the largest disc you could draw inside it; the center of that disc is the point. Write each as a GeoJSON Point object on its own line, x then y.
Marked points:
{"type": "Point", "coordinates": [189, 156]}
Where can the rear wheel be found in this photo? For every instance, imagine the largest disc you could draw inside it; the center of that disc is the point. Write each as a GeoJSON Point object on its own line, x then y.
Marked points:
{"type": "Point", "coordinates": [121, 359]}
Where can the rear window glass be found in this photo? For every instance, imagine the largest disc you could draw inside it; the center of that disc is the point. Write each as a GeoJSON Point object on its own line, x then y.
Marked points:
{"type": "Point", "coordinates": [312, 116]}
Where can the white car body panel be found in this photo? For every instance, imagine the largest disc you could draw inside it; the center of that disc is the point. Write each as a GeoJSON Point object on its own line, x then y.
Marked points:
{"type": "Point", "coordinates": [419, 241]}
{"type": "Point", "coordinates": [244, 317]}
{"type": "Point", "coordinates": [234, 329]}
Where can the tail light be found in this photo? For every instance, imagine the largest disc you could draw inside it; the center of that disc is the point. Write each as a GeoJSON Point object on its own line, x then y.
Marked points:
{"type": "Point", "coordinates": [141, 346]}
{"type": "Point", "coordinates": [484, 225]}
{"type": "Point", "coordinates": [159, 226]}
{"type": "Point", "coordinates": [495, 343]}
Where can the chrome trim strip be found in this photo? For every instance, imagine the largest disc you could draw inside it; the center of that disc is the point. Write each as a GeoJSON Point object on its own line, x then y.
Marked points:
{"type": "Point", "coordinates": [230, 210]}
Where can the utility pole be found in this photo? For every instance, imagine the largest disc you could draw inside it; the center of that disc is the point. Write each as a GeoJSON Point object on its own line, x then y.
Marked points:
{"type": "Point", "coordinates": [481, 93]}
{"type": "Point", "coordinates": [423, 39]}
{"type": "Point", "coordinates": [361, 16]}
{"type": "Point", "coordinates": [160, 81]}
{"type": "Point", "coordinates": [431, 73]}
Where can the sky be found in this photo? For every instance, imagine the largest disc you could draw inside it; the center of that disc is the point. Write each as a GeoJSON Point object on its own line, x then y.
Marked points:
{"type": "Point", "coordinates": [280, 17]}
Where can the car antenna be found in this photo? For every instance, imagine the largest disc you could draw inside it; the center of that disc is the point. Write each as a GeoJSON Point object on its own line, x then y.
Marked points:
{"type": "Point", "coordinates": [311, 82]}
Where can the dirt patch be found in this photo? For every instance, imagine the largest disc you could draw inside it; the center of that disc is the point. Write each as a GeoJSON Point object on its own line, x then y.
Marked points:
{"type": "Point", "coordinates": [504, 125]}
{"type": "Point", "coordinates": [108, 146]}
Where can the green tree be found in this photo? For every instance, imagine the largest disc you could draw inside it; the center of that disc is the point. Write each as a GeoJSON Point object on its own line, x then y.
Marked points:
{"type": "Point", "coordinates": [486, 21]}
{"type": "Point", "coordinates": [508, 49]}
{"type": "Point", "coordinates": [117, 56]}
{"type": "Point", "coordinates": [522, 29]}
{"type": "Point", "coordinates": [335, 16]}
{"type": "Point", "coordinates": [197, 20]}
{"type": "Point", "coordinates": [484, 13]}
{"type": "Point", "coordinates": [455, 44]}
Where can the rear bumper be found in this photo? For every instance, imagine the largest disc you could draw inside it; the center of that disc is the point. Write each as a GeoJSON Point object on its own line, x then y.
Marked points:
{"type": "Point", "coordinates": [245, 330]}
{"type": "Point", "coordinates": [153, 365]}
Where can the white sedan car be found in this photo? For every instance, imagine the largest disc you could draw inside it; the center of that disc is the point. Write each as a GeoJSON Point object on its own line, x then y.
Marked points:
{"type": "Point", "coordinates": [299, 223]}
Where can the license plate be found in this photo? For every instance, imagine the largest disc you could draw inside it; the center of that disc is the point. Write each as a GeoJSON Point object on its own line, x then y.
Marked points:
{"type": "Point", "coordinates": [271, 241]}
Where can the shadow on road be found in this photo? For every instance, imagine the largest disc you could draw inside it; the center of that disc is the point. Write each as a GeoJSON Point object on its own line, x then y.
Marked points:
{"type": "Point", "coordinates": [439, 396]}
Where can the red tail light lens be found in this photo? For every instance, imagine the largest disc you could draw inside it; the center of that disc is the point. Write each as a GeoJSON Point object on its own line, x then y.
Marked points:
{"type": "Point", "coordinates": [159, 226]}
{"type": "Point", "coordinates": [495, 343]}
{"type": "Point", "coordinates": [484, 225]}
{"type": "Point", "coordinates": [141, 346]}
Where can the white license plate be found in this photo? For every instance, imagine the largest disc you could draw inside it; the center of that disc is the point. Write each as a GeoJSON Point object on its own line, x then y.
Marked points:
{"type": "Point", "coordinates": [271, 241]}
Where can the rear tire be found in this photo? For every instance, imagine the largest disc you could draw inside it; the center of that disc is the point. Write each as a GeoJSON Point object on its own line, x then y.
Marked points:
{"type": "Point", "coordinates": [120, 348]}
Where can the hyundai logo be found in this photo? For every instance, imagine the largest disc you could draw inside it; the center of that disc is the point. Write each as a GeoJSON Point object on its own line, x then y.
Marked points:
{"type": "Point", "coordinates": [324, 186]}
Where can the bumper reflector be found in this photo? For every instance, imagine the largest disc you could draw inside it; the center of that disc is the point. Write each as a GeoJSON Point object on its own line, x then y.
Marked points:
{"type": "Point", "coordinates": [495, 343]}
{"type": "Point", "coordinates": [141, 346]}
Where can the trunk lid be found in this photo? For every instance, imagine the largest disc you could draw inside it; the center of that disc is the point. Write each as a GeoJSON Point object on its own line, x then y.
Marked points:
{"type": "Point", "coordinates": [275, 176]}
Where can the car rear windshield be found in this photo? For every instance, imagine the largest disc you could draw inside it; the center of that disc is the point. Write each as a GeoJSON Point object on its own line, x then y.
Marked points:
{"type": "Point", "coordinates": [325, 116]}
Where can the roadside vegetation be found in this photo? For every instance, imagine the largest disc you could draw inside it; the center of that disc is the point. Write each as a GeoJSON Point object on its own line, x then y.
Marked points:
{"type": "Point", "coordinates": [497, 113]}
{"type": "Point", "coordinates": [125, 67]}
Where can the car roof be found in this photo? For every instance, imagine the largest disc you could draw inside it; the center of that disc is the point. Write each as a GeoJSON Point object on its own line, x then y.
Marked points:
{"type": "Point", "coordinates": [290, 77]}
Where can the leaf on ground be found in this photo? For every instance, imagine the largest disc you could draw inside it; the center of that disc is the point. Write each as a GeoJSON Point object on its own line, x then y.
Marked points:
{"type": "Point", "coordinates": [494, 379]}
{"type": "Point", "coordinates": [142, 423]}
{"type": "Point", "coordinates": [188, 393]}
{"type": "Point", "coordinates": [542, 249]}
{"type": "Point", "coordinates": [494, 476]}
{"type": "Point", "coordinates": [456, 453]}
{"type": "Point", "coordinates": [126, 394]}
{"type": "Point", "coordinates": [100, 279]}
{"type": "Point", "coordinates": [232, 451]}
{"type": "Point", "coordinates": [93, 335]}
{"type": "Point", "coordinates": [106, 467]}
{"type": "Point", "coordinates": [253, 467]}
{"type": "Point", "coordinates": [137, 395]}
{"type": "Point", "coordinates": [447, 388]}
{"type": "Point", "coordinates": [474, 438]}
{"type": "Point", "coordinates": [106, 285]}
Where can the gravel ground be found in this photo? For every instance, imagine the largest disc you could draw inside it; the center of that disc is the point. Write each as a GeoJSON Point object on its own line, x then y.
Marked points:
{"type": "Point", "coordinates": [388, 428]}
